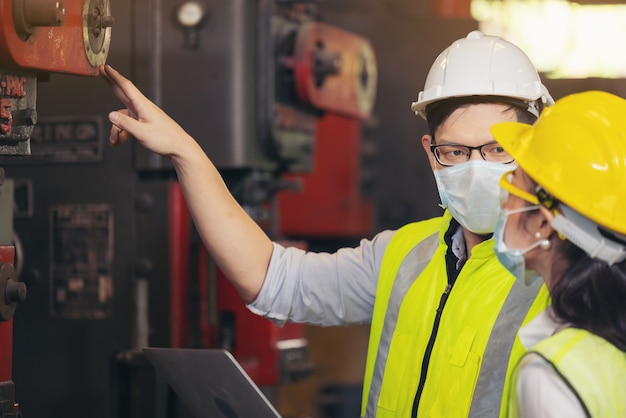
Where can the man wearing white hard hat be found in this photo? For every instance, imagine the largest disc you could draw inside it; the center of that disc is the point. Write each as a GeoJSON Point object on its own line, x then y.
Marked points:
{"type": "Point", "coordinates": [444, 312]}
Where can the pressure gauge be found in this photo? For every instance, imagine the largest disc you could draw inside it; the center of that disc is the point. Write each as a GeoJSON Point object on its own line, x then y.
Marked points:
{"type": "Point", "coordinates": [190, 13]}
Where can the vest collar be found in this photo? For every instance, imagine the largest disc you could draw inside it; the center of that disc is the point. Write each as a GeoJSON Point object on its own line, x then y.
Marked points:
{"type": "Point", "coordinates": [451, 239]}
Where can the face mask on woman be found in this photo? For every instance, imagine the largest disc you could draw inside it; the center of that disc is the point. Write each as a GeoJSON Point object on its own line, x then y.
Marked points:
{"type": "Point", "coordinates": [512, 258]}
{"type": "Point", "coordinates": [470, 191]}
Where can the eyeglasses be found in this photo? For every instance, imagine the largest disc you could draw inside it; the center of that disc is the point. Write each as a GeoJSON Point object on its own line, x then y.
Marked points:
{"type": "Point", "coordinates": [542, 198]}
{"type": "Point", "coordinates": [452, 154]}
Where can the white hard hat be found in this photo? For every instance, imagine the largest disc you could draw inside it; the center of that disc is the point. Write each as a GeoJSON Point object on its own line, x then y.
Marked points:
{"type": "Point", "coordinates": [483, 65]}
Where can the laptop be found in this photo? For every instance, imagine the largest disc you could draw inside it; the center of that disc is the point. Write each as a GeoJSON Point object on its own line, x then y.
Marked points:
{"type": "Point", "coordinates": [210, 383]}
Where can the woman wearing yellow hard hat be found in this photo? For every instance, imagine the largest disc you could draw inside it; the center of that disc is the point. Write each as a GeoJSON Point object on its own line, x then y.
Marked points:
{"type": "Point", "coordinates": [564, 219]}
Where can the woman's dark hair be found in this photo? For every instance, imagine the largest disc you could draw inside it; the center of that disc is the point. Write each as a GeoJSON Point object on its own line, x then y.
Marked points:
{"type": "Point", "coordinates": [438, 112]}
{"type": "Point", "coordinates": [591, 295]}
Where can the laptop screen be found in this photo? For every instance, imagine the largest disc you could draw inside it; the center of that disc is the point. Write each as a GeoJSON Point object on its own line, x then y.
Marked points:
{"type": "Point", "coordinates": [210, 383]}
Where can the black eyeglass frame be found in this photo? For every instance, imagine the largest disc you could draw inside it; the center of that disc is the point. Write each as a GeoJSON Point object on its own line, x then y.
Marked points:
{"type": "Point", "coordinates": [433, 148]}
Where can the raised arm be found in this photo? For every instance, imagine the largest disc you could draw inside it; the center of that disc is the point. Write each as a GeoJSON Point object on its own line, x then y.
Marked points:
{"type": "Point", "coordinates": [238, 245]}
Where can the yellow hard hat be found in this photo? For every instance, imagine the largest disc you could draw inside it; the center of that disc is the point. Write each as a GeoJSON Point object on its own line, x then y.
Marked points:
{"type": "Point", "coordinates": [576, 151]}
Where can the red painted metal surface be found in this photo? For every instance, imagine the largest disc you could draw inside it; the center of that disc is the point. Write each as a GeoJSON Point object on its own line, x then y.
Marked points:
{"type": "Point", "coordinates": [256, 338]}
{"type": "Point", "coordinates": [207, 321]}
{"type": "Point", "coordinates": [55, 49]}
{"type": "Point", "coordinates": [351, 89]}
{"type": "Point", "coordinates": [12, 87]}
{"type": "Point", "coordinates": [7, 255]}
{"type": "Point", "coordinates": [331, 203]}
{"type": "Point", "coordinates": [179, 250]}
{"type": "Point", "coordinates": [453, 9]}
{"type": "Point", "coordinates": [6, 351]}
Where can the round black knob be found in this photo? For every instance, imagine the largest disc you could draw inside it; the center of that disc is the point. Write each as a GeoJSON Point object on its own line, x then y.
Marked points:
{"type": "Point", "coordinates": [15, 291]}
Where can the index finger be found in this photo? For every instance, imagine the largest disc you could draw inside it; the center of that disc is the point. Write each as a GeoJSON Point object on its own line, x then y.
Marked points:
{"type": "Point", "coordinates": [123, 88]}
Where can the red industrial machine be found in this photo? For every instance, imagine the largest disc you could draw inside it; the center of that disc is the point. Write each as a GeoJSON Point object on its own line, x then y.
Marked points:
{"type": "Point", "coordinates": [309, 129]}
{"type": "Point", "coordinates": [270, 355]}
{"type": "Point", "coordinates": [36, 37]}
{"type": "Point", "coordinates": [293, 95]}
{"type": "Point", "coordinates": [335, 72]}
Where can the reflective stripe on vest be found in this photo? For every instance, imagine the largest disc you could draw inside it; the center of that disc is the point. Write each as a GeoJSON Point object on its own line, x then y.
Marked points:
{"type": "Point", "coordinates": [490, 384]}
{"type": "Point", "coordinates": [594, 368]}
{"type": "Point", "coordinates": [409, 271]}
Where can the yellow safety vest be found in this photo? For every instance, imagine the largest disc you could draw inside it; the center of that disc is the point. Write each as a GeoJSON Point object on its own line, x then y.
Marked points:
{"type": "Point", "coordinates": [591, 366]}
{"type": "Point", "coordinates": [476, 344]}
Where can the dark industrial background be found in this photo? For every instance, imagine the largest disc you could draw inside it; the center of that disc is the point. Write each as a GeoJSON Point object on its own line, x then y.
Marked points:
{"type": "Point", "coordinates": [74, 358]}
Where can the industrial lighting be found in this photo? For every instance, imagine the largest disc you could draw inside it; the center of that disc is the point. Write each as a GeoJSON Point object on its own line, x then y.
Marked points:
{"type": "Point", "coordinates": [562, 38]}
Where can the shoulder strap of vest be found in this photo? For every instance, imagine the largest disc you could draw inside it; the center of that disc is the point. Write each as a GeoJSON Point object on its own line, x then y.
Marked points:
{"type": "Point", "coordinates": [566, 381]}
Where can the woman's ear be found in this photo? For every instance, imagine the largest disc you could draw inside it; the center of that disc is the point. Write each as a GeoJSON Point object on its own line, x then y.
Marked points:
{"type": "Point", "coordinates": [431, 157]}
{"type": "Point", "coordinates": [545, 222]}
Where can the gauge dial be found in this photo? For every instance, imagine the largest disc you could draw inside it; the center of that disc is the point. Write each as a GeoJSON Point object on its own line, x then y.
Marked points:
{"type": "Point", "coordinates": [190, 13]}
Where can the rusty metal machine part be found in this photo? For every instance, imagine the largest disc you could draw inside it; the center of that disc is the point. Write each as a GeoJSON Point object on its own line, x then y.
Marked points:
{"type": "Point", "coordinates": [97, 23]}
{"type": "Point", "coordinates": [11, 291]}
{"type": "Point", "coordinates": [29, 14]}
{"type": "Point", "coordinates": [18, 114]}
{"type": "Point", "coordinates": [36, 37]}
{"type": "Point", "coordinates": [41, 36]}
{"type": "Point", "coordinates": [335, 70]}
{"type": "Point", "coordinates": [60, 36]}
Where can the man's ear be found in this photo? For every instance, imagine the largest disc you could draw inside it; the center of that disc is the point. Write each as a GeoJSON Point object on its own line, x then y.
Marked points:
{"type": "Point", "coordinates": [426, 145]}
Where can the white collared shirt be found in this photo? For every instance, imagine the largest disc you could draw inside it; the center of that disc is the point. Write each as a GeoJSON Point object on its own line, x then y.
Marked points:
{"type": "Point", "coordinates": [541, 392]}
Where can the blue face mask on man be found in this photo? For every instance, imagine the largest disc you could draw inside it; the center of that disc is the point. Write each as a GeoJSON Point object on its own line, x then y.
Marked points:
{"type": "Point", "coordinates": [512, 258]}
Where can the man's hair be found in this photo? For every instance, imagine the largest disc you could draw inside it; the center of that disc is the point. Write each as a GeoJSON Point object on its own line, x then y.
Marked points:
{"type": "Point", "coordinates": [438, 112]}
